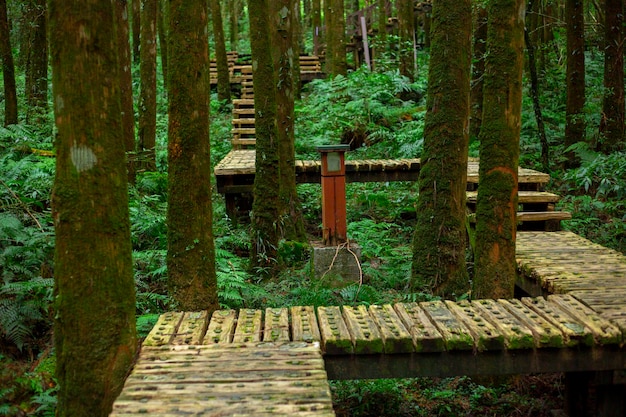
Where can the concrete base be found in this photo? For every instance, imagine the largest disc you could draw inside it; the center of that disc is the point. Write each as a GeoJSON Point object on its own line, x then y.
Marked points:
{"type": "Point", "coordinates": [336, 265]}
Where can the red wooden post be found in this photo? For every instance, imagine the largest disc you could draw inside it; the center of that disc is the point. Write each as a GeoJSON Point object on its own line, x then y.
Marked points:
{"type": "Point", "coordinates": [333, 193]}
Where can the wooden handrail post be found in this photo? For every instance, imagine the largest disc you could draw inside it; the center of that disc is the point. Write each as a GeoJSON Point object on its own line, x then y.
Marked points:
{"type": "Point", "coordinates": [333, 193]}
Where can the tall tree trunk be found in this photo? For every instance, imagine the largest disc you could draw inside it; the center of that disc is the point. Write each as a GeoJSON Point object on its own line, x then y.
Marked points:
{"type": "Point", "coordinates": [223, 81]}
{"type": "Point", "coordinates": [496, 210]}
{"type": "Point", "coordinates": [382, 21]}
{"type": "Point", "coordinates": [316, 23]}
{"type": "Point", "coordinates": [190, 247]}
{"type": "Point", "coordinates": [439, 239]}
{"type": "Point", "coordinates": [126, 86]}
{"type": "Point", "coordinates": [264, 247]}
{"type": "Point", "coordinates": [612, 122]}
{"type": "Point", "coordinates": [337, 35]}
{"type": "Point", "coordinates": [282, 22]}
{"type": "Point", "coordinates": [234, 23]}
{"type": "Point", "coordinates": [37, 64]}
{"type": "Point", "coordinates": [136, 26]}
{"type": "Point", "coordinates": [162, 6]}
{"type": "Point", "coordinates": [575, 78]}
{"type": "Point", "coordinates": [8, 69]}
{"type": "Point", "coordinates": [406, 29]}
{"type": "Point", "coordinates": [147, 99]}
{"type": "Point", "coordinates": [94, 328]}
{"type": "Point", "coordinates": [329, 43]}
{"type": "Point", "coordinates": [478, 70]}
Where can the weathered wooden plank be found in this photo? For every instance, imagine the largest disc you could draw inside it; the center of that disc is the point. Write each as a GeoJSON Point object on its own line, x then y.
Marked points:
{"type": "Point", "coordinates": [486, 335]}
{"type": "Point", "coordinates": [191, 329]}
{"type": "Point", "coordinates": [164, 329]}
{"type": "Point", "coordinates": [396, 338]}
{"type": "Point", "coordinates": [575, 331]}
{"type": "Point", "coordinates": [365, 335]}
{"type": "Point", "coordinates": [426, 337]}
{"type": "Point", "coordinates": [205, 408]}
{"type": "Point", "coordinates": [276, 325]}
{"type": "Point", "coordinates": [249, 326]}
{"type": "Point", "coordinates": [544, 333]}
{"type": "Point", "coordinates": [604, 333]}
{"type": "Point", "coordinates": [336, 339]}
{"type": "Point", "coordinates": [304, 324]}
{"type": "Point", "coordinates": [221, 327]}
{"type": "Point", "coordinates": [516, 334]}
{"type": "Point", "coordinates": [455, 335]}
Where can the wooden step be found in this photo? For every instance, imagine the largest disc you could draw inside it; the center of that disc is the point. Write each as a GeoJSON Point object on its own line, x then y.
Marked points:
{"type": "Point", "coordinates": [523, 197]}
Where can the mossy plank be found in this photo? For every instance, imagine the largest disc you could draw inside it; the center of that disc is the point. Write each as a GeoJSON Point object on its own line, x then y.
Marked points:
{"type": "Point", "coordinates": [336, 339]}
{"type": "Point", "coordinates": [221, 327]}
{"type": "Point", "coordinates": [545, 334]}
{"type": "Point", "coordinates": [365, 335]}
{"type": "Point", "coordinates": [604, 333]}
{"type": "Point", "coordinates": [304, 325]}
{"type": "Point", "coordinates": [516, 334]}
{"type": "Point", "coordinates": [276, 325]}
{"type": "Point", "coordinates": [426, 337]}
{"type": "Point", "coordinates": [486, 335]}
{"type": "Point", "coordinates": [455, 334]}
{"type": "Point", "coordinates": [396, 338]}
{"type": "Point", "coordinates": [575, 331]}
{"type": "Point", "coordinates": [191, 329]}
{"type": "Point", "coordinates": [249, 326]}
{"type": "Point", "coordinates": [164, 329]}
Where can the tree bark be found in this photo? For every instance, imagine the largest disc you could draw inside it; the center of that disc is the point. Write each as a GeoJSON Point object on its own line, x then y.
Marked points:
{"type": "Point", "coordinates": [575, 78]}
{"type": "Point", "coordinates": [162, 6]}
{"type": "Point", "coordinates": [136, 27]}
{"type": "Point", "coordinates": [147, 99]}
{"type": "Point", "coordinates": [382, 21]}
{"type": "Point", "coordinates": [264, 245]}
{"type": "Point", "coordinates": [37, 64]}
{"type": "Point", "coordinates": [495, 266]}
{"type": "Point", "coordinates": [8, 68]}
{"type": "Point", "coordinates": [223, 80]}
{"type": "Point", "coordinates": [316, 23]}
{"type": "Point", "coordinates": [406, 30]}
{"type": "Point", "coordinates": [126, 86]}
{"type": "Point", "coordinates": [190, 250]}
{"type": "Point", "coordinates": [612, 122]}
{"type": "Point", "coordinates": [234, 23]}
{"type": "Point", "coordinates": [478, 70]}
{"type": "Point", "coordinates": [338, 38]}
{"type": "Point", "coordinates": [439, 239]}
{"type": "Point", "coordinates": [94, 328]}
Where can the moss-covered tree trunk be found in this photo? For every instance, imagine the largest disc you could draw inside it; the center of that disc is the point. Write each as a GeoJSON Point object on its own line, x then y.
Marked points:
{"type": "Point", "coordinates": [337, 36]}
{"type": "Point", "coordinates": [316, 24]}
{"type": "Point", "coordinates": [496, 210]}
{"type": "Point", "coordinates": [136, 28]}
{"type": "Point", "coordinates": [382, 21]}
{"type": "Point", "coordinates": [234, 12]}
{"type": "Point", "coordinates": [265, 222]}
{"type": "Point", "coordinates": [612, 122]}
{"type": "Point", "coordinates": [162, 6]}
{"type": "Point", "coordinates": [223, 80]}
{"type": "Point", "coordinates": [328, 37]}
{"type": "Point", "coordinates": [126, 86]}
{"type": "Point", "coordinates": [406, 29]}
{"type": "Point", "coordinates": [8, 68]}
{"type": "Point", "coordinates": [478, 69]}
{"type": "Point", "coordinates": [147, 97]}
{"type": "Point", "coordinates": [575, 77]}
{"type": "Point", "coordinates": [282, 21]}
{"type": "Point", "coordinates": [37, 63]}
{"type": "Point", "coordinates": [439, 239]}
{"type": "Point", "coordinates": [190, 246]}
{"type": "Point", "coordinates": [94, 328]}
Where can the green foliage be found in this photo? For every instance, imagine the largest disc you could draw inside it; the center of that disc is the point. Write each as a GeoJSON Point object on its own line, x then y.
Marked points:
{"type": "Point", "coordinates": [145, 323]}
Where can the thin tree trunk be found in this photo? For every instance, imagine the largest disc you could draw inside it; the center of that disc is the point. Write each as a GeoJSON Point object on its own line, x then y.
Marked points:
{"type": "Point", "coordinates": [439, 239]}
{"type": "Point", "coordinates": [136, 26]}
{"type": "Point", "coordinates": [264, 245]}
{"type": "Point", "coordinates": [8, 69]}
{"type": "Point", "coordinates": [478, 71]}
{"type": "Point", "coordinates": [190, 246]}
{"type": "Point", "coordinates": [234, 23]}
{"type": "Point", "coordinates": [223, 81]}
{"type": "Point", "coordinates": [406, 30]}
{"type": "Point", "coordinates": [126, 86]}
{"type": "Point", "coordinates": [382, 21]}
{"type": "Point", "coordinates": [338, 38]}
{"type": "Point", "coordinates": [147, 99]}
{"type": "Point", "coordinates": [162, 6]}
{"type": "Point", "coordinates": [575, 78]}
{"type": "Point", "coordinates": [94, 328]}
{"type": "Point", "coordinates": [316, 23]}
{"type": "Point", "coordinates": [329, 43]}
{"type": "Point", "coordinates": [37, 65]}
{"type": "Point", "coordinates": [495, 266]}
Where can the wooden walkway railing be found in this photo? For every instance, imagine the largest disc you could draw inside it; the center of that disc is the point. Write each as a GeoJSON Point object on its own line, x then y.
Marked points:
{"type": "Point", "coordinates": [235, 362]}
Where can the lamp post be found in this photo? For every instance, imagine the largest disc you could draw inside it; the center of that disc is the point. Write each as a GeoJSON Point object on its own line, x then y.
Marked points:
{"type": "Point", "coordinates": [333, 193]}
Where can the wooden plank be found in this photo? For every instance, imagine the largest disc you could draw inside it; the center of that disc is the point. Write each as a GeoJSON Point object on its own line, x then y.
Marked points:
{"type": "Point", "coordinates": [336, 339]}
{"type": "Point", "coordinates": [191, 329]}
{"type": "Point", "coordinates": [221, 327]}
{"type": "Point", "coordinates": [544, 333]}
{"type": "Point", "coordinates": [248, 326]}
{"type": "Point", "coordinates": [516, 334]}
{"type": "Point", "coordinates": [164, 329]}
{"type": "Point", "coordinates": [396, 338]}
{"type": "Point", "coordinates": [426, 337]}
{"type": "Point", "coordinates": [575, 331]}
{"type": "Point", "coordinates": [486, 335]}
{"type": "Point", "coordinates": [455, 335]}
{"type": "Point", "coordinates": [523, 196]}
{"type": "Point", "coordinates": [534, 216]}
{"type": "Point", "coordinates": [365, 335]}
{"type": "Point", "coordinates": [304, 324]}
{"type": "Point", "coordinates": [276, 325]}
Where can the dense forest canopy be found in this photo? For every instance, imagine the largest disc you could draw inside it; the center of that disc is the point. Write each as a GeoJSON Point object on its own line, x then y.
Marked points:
{"type": "Point", "coordinates": [570, 125]}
